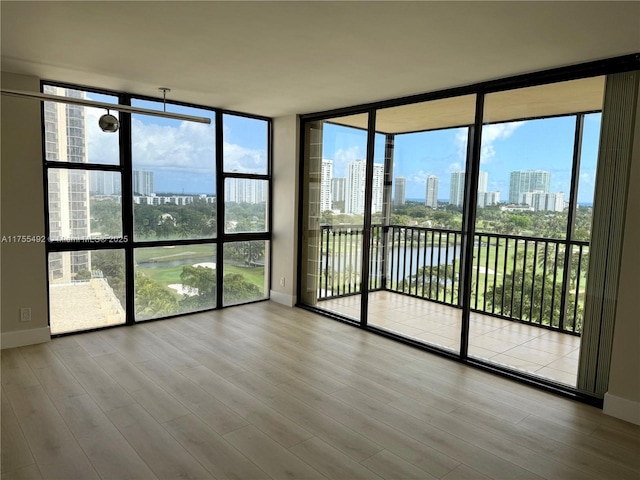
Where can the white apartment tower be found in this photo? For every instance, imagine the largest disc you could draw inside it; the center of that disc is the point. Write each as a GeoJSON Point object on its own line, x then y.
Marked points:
{"type": "Point", "coordinates": [456, 192]}
{"type": "Point", "coordinates": [337, 189]}
{"type": "Point", "coordinates": [245, 190]}
{"type": "Point", "coordinates": [142, 183]}
{"type": "Point", "coordinates": [325, 185]}
{"type": "Point", "coordinates": [525, 181]}
{"type": "Point", "coordinates": [483, 180]}
{"type": "Point", "coordinates": [354, 188]}
{"type": "Point", "coordinates": [399, 196]}
{"type": "Point", "coordinates": [543, 201]}
{"type": "Point", "coordinates": [486, 199]}
{"type": "Point", "coordinates": [104, 183]}
{"type": "Point", "coordinates": [66, 141]}
{"type": "Point", "coordinates": [456, 188]}
{"type": "Point", "coordinates": [431, 198]}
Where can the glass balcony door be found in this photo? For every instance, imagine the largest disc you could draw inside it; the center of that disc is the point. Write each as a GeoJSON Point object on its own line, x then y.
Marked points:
{"type": "Point", "coordinates": [532, 227]}
{"type": "Point", "coordinates": [417, 210]}
{"type": "Point", "coordinates": [335, 172]}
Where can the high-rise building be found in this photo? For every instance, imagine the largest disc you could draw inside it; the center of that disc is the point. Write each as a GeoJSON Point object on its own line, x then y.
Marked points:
{"type": "Point", "coordinates": [142, 182]}
{"type": "Point", "coordinates": [543, 201]}
{"type": "Point", "coordinates": [399, 196]}
{"type": "Point", "coordinates": [337, 189]}
{"type": "Point", "coordinates": [66, 141]}
{"type": "Point", "coordinates": [431, 198]}
{"type": "Point", "coordinates": [456, 188]}
{"type": "Point", "coordinates": [104, 183]}
{"type": "Point", "coordinates": [245, 190]}
{"type": "Point", "coordinates": [524, 181]}
{"type": "Point", "coordinates": [354, 188]}
{"type": "Point", "coordinates": [325, 184]}
{"type": "Point", "coordinates": [483, 180]}
{"type": "Point", "coordinates": [486, 199]}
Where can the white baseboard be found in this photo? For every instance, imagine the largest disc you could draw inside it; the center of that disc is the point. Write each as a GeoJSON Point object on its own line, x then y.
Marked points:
{"type": "Point", "coordinates": [282, 298]}
{"type": "Point", "coordinates": [622, 408]}
{"type": "Point", "coordinates": [25, 337]}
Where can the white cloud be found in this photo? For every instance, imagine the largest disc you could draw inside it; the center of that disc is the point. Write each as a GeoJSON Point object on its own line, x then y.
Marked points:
{"type": "Point", "coordinates": [188, 147]}
{"type": "Point", "coordinates": [419, 177]}
{"type": "Point", "coordinates": [102, 147]}
{"type": "Point", "coordinates": [492, 133]}
{"type": "Point", "coordinates": [454, 167]}
{"type": "Point", "coordinates": [462, 136]}
{"type": "Point", "coordinates": [342, 157]}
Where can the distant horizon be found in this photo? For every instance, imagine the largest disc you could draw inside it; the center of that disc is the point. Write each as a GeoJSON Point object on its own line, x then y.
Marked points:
{"type": "Point", "coordinates": [446, 200]}
{"type": "Point", "coordinates": [536, 144]}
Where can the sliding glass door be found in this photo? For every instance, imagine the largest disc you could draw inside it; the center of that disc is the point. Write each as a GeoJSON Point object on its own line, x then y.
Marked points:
{"type": "Point", "coordinates": [533, 227]}
{"type": "Point", "coordinates": [333, 215]}
{"type": "Point", "coordinates": [474, 237]}
{"type": "Point", "coordinates": [417, 235]}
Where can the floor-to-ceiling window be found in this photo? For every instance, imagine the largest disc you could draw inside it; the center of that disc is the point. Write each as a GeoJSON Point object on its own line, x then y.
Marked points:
{"type": "Point", "coordinates": [476, 237]}
{"type": "Point", "coordinates": [163, 217]}
{"type": "Point", "coordinates": [426, 153]}
{"type": "Point", "coordinates": [531, 250]}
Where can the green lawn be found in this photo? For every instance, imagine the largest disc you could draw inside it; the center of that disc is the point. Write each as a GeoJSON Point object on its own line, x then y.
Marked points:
{"type": "Point", "coordinates": [159, 254]}
{"type": "Point", "coordinates": [166, 276]}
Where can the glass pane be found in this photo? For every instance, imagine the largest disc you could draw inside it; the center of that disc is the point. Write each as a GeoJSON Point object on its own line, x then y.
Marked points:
{"type": "Point", "coordinates": [173, 280]}
{"type": "Point", "coordinates": [245, 144]}
{"type": "Point", "coordinates": [86, 290]}
{"type": "Point", "coordinates": [245, 203]}
{"type": "Point", "coordinates": [245, 277]}
{"type": "Point", "coordinates": [174, 179]}
{"type": "Point", "coordinates": [416, 241]}
{"type": "Point", "coordinates": [523, 276]}
{"type": "Point", "coordinates": [72, 133]}
{"type": "Point", "coordinates": [84, 205]}
{"type": "Point", "coordinates": [333, 212]}
{"type": "Point", "coordinates": [587, 177]}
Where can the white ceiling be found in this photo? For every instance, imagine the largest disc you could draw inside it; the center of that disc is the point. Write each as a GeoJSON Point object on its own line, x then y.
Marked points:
{"type": "Point", "coordinates": [280, 58]}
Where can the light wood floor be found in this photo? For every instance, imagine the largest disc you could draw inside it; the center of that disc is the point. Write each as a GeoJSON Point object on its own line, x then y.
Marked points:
{"type": "Point", "coordinates": [546, 353]}
{"type": "Point", "coordinates": [265, 391]}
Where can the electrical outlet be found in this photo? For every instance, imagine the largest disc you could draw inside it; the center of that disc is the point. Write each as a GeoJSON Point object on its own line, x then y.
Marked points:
{"type": "Point", "coordinates": [25, 314]}
{"type": "Point", "coordinates": [282, 281]}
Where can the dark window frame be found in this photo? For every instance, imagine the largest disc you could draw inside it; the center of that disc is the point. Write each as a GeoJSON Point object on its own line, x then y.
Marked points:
{"type": "Point", "coordinates": [562, 74]}
{"type": "Point", "coordinates": [125, 168]}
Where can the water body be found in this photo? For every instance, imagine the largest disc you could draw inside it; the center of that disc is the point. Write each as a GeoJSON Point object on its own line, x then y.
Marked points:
{"type": "Point", "coordinates": [397, 262]}
{"type": "Point", "coordinates": [176, 263]}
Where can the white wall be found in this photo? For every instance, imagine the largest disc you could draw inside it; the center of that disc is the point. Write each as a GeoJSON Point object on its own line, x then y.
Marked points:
{"type": "Point", "coordinates": [23, 264]}
{"type": "Point", "coordinates": [623, 397]}
{"type": "Point", "coordinates": [285, 213]}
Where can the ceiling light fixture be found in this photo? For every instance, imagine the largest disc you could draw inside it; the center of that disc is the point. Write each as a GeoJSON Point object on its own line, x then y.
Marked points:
{"type": "Point", "coordinates": [45, 97]}
{"type": "Point", "coordinates": [108, 123]}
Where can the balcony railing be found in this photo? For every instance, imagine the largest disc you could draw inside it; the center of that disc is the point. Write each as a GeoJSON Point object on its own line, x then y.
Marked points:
{"type": "Point", "coordinates": [513, 277]}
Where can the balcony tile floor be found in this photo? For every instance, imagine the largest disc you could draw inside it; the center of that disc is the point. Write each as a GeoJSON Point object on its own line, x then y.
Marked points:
{"type": "Point", "coordinates": [519, 346]}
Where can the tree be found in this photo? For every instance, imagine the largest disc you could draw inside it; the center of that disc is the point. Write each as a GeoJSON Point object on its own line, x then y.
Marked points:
{"type": "Point", "coordinates": [236, 289]}
{"type": "Point", "coordinates": [153, 300]}
{"type": "Point", "coordinates": [428, 280]}
{"type": "Point", "coordinates": [111, 264]}
{"type": "Point", "coordinates": [202, 281]}
{"type": "Point", "coordinates": [536, 303]}
{"type": "Point", "coordinates": [246, 252]}
{"type": "Point", "coordinates": [83, 275]}
{"type": "Point", "coordinates": [106, 217]}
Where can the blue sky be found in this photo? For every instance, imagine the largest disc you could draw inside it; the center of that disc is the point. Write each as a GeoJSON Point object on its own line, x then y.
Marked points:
{"type": "Point", "coordinates": [180, 153]}
{"type": "Point", "coordinates": [182, 156]}
{"type": "Point", "coordinates": [545, 144]}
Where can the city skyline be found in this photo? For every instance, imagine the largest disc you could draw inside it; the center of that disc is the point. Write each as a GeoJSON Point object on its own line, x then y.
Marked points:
{"type": "Point", "coordinates": [506, 147]}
